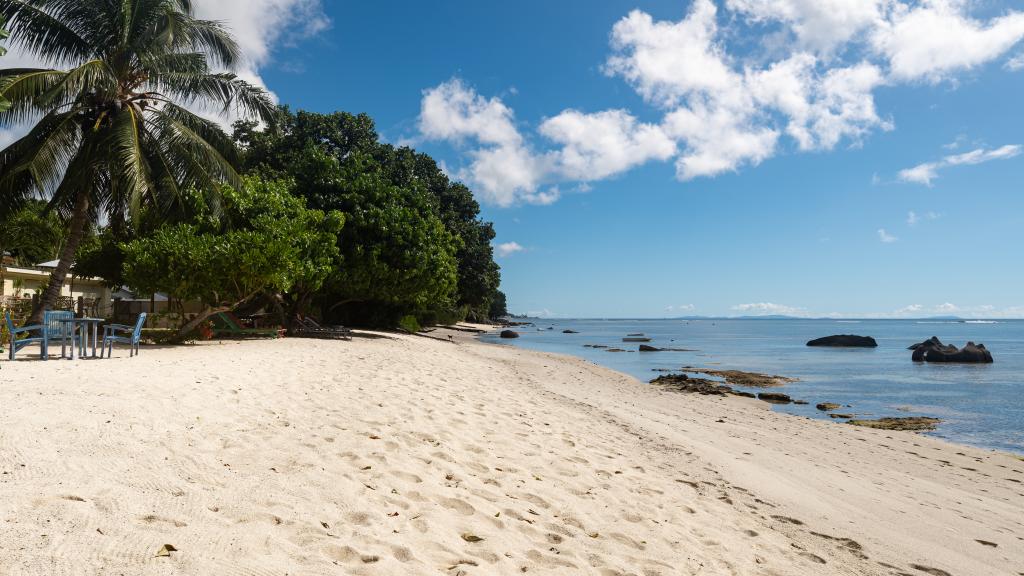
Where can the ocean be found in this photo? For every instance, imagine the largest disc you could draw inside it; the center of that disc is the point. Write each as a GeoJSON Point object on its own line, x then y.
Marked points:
{"type": "Point", "coordinates": [980, 405]}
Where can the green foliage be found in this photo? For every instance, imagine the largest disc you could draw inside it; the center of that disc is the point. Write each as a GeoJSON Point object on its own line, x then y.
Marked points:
{"type": "Point", "coordinates": [413, 243]}
{"type": "Point", "coordinates": [101, 255]}
{"type": "Point", "coordinates": [32, 234]}
{"type": "Point", "coordinates": [266, 241]}
{"type": "Point", "coordinates": [110, 130]}
{"type": "Point", "coordinates": [499, 307]}
{"type": "Point", "coordinates": [409, 324]}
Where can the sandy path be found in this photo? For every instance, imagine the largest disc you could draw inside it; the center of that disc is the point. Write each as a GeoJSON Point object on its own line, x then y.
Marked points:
{"type": "Point", "coordinates": [385, 456]}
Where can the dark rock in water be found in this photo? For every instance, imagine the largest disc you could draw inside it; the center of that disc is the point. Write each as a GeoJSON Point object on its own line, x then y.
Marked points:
{"type": "Point", "coordinates": [843, 416]}
{"type": "Point", "coordinates": [845, 341]}
{"type": "Point", "coordinates": [801, 402]}
{"type": "Point", "coordinates": [646, 348]}
{"type": "Point", "coordinates": [740, 378]}
{"type": "Point", "coordinates": [636, 339]}
{"type": "Point", "coordinates": [509, 334]}
{"type": "Point", "coordinates": [828, 406]}
{"type": "Point", "coordinates": [615, 350]}
{"type": "Point", "coordinates": [933, 350]}
{"type": "Point", "coordinates": [915, 423]}
{"type": "Point", "coordinates": [683, 383]}
{"type": "Point", "coordinates": [569, 332]}
{"type": "Point", "coordinates": [774, 398]}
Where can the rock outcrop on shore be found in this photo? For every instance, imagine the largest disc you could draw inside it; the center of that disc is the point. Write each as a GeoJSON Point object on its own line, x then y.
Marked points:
{"type": "Point", "coordinates": [845, 341]}
{"type": "Point", "coordinates": [774, 398]}
{"type": "Point", "coordinates": [933, 350]}
{"type": "Point", "coordinates": [741, 378]}
{"type": "Point", "coordinates": [703, 386]}
{"type": "Point", "coordinates": [912, 423]}
{"type": "Point", "coordinates": [509, 334]}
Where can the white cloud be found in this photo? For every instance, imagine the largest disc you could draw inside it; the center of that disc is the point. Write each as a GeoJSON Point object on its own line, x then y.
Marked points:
{"type": "Point", "coordinates": [936, 38]}
{"type": "Point", "coordinates": [929, 171]}
{"type": "Point", "coordinates": [454, 111]}
{"type": "Point", "coordinates": [913, 218]}
{"type": "Point", "coordinates": [502, 169]}
{"type": "Point", "coordinates": [885, 237]}
{"type": "Point", "coordinates": [506, 249]}
{"type": "Point", "coordinates": [680, 308]}
{"type": "Point", "coordinates": [768, 308]}
{"type": "Point", "coordinates": [819, 25]}
{"type": "Point", "coordinates": [596, 146]}
{"type": "Point", "coordinates": [725, 113]}
{"type": "Point", "coordinates": [812, 86]}
{"type": "Point", "coordinates": [1016, 63]}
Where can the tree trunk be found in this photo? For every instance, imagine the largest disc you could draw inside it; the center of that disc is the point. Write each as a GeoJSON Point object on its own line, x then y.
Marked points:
{"type": "Point", "coordinates": [195, 322]}
{"type": "Point", "coordinates": [79, 218]}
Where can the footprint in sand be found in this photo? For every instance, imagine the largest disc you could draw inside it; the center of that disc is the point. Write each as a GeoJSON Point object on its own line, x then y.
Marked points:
{"type": "Point", "coordinates": [460, 506]}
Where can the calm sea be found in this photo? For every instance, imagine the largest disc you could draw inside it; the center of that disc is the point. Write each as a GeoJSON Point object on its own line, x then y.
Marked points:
{"type": "Point", "coordinates": [980, 405]}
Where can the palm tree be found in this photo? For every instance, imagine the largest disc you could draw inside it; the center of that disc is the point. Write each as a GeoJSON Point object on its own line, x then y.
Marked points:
{"type": "Point", "coordinates": [111, 132]}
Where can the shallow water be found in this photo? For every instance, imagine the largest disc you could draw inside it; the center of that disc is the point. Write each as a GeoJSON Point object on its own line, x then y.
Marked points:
{"type": "Point", "coordinates": [980, 405]}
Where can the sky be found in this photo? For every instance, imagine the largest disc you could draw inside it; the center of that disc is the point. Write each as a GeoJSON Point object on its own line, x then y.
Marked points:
{"type": "Point", "coordinates": [855, 158]}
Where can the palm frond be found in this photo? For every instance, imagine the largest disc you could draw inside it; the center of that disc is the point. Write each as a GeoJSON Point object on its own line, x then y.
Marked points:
{"type": "Point", "coordinates": [128, 166]}
{"type": "Point", "coordinates": [225, 90]}
{"type": "Point", "coordinates": [35, 163]}
{"type": "Point", "coordinates": [22, 87]}
{"type": "Point", "coordinates": [36, 30]}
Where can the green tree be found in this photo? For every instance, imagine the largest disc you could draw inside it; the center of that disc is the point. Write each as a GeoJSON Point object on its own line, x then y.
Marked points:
{"type": "Point", "coordinates": [114, 134]}
{"type": "Point", "coordinates": [32, 234]}
{"type": "Point", "coordinates": [396, 258]}
{"type": "Point", "coordinates": [266, 241]}
{"type": "Point", "coordinates": [499, 307]}
{"type": "Point", "coordinates": [478, 274]}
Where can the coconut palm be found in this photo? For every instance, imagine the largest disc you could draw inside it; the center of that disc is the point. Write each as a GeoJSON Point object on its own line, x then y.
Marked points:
{"type": "Point", "coordinates": [112, 132]}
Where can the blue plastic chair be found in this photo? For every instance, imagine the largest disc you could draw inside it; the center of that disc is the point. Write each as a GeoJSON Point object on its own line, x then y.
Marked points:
{"type": "Point", "coordinates": [57, 328]}
{"type": "Point", "coordinates": [132, 335]}
{"type": "Point", "coordinates": [19, 343]}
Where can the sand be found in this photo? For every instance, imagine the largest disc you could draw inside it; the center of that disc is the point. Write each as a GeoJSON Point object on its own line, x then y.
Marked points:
{"type": "Point", "coordinates": [409, 455]}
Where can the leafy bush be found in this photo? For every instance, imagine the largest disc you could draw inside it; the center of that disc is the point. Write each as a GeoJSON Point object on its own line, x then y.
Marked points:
{"type": "Point", "coordinates": [409, 324]}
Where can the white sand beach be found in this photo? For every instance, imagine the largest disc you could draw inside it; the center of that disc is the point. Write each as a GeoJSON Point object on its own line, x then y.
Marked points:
{"type": "Point", "coordinates": [408, 455]}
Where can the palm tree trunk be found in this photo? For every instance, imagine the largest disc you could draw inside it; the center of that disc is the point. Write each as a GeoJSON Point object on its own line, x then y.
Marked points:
{"type": "Point", "coordinates": [79, 218]}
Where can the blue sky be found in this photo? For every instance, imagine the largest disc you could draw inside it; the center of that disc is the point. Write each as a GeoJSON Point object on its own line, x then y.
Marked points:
{"type": "Point", "coordinates": [818, 222]}
{"type": "Point", "coordinates": [713, 157]}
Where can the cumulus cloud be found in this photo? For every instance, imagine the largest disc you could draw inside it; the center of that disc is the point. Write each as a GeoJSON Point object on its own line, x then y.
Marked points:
{"type": "Point", "coordinates": [885, 237]}
{"type": "Point", "coordinates": [596, 146]}
{"type": "Point", "coordinates": [506, 249]}
{"type": "Point", "coordinates": [501, 167]}
{"type": "Point", "coordinates": [818, 25]}
{"type": "Point", "coordinates": [680, 308]}
{"type": "Point", "coordinates": [927, 172]}
{"type": "Point", "coordinates": [935, 38]}
{"type": "Point", "coordinates": [768, 308]}
{"type": "Point", "coordinates": [723, 106]}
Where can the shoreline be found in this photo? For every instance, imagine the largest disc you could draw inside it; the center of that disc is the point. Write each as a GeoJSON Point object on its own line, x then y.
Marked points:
{"type": "Point", "coordinates": [394, 455]}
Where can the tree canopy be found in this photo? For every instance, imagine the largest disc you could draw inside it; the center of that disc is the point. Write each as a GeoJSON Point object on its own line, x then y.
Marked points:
{"type": "Point", "coordinates": [413, 243]}
{"type": "Point", "coordinates": [266, 241]}
{"type": "Point", "coordinates": [112, 130]}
